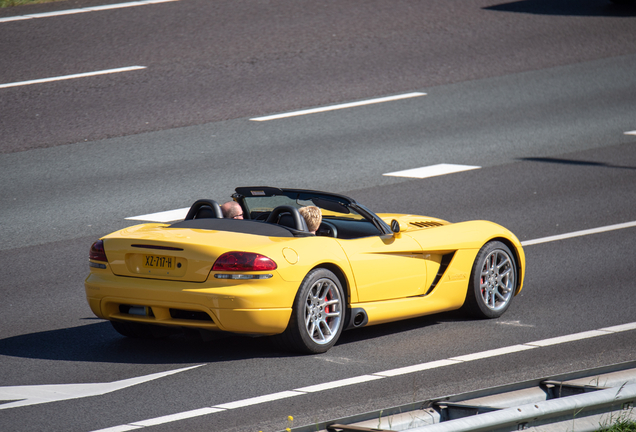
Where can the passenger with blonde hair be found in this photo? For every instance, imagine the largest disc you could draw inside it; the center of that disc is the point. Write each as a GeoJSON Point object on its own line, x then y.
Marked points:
{"type": "Point", "coordinates": [312, 216]}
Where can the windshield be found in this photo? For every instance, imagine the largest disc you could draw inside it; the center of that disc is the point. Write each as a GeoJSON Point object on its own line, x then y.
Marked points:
{"type": "Point", "coordinates": [330, 209]}
{"type": "Point", "coordinates": [351, 219]}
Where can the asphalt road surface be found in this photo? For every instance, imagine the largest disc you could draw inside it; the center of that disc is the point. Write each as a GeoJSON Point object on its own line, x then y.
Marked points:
{"type": "Point", "coordinates": [541, 95]}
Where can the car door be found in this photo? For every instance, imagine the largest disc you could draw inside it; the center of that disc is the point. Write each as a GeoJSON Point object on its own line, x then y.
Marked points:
{"type": "Point", "coordinates": [386, 267]}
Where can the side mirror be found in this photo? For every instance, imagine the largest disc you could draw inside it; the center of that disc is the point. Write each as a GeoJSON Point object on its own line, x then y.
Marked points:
{"type": "Point", "coordinates": [398, 227]}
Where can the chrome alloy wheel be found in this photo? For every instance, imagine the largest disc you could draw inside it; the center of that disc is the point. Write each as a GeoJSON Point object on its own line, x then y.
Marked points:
{"type": "Point", "coordinates": [497, 282]}
{"type": "Point", "coordinates": [323, 311]}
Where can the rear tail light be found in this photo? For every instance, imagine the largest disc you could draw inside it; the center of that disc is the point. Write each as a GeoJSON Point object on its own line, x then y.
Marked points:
{"type": "Point", "coordinates": [244, 261]}
{"type": "Point", "coordinates": [97, 253]}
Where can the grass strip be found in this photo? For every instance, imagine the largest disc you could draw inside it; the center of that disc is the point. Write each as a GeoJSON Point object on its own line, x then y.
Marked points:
{"type": "Point", "coordinates": [11, 3]}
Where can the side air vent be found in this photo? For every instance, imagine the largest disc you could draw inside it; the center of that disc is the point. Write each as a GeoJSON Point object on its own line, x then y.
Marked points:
{"type": "Point", "coordinates": [425, 224]}
{"type": "Point", "coordinates": [446, 259]}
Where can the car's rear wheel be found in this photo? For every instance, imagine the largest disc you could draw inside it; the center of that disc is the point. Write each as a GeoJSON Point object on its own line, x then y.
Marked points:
{"type": "Point", "coordinates": [493, 281]}
{"type": "Point", "coordinates": [318, 314]}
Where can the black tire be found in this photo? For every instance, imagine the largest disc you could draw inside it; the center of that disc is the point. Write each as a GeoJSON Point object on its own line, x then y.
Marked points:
{"type": "Point", "coordinates": [318, 314]}
{"type": "Point", "coordinates": [134, 330]}
{"type": "Point", "coordinates": [493, 281]}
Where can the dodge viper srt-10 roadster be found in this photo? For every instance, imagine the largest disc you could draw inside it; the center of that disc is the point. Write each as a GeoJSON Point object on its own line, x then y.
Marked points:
{"type": "Point", "coordinates": [268, 275]}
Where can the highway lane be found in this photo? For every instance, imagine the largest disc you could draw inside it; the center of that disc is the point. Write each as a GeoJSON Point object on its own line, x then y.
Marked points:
{"type": "Point", "coordinates": [209, 61]}
{"type": "Point", "coordinates": [487, 122]}
{"type": "Point", "coordinates": [48, 336]}
{"type": "Point", "coordinates": [574, 285]}
{"type": "Point", "coordinates": [554, 159]}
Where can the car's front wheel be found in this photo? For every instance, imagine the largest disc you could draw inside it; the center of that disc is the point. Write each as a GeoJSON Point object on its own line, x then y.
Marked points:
{"type": "Point", "coordinates": [318, 314]}
{"type": "Point", "coordinates": [493, 281]}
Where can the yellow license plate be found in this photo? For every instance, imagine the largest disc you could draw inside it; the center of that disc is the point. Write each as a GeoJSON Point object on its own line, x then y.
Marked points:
{"type": "Point", "coordinates": [159, 262]}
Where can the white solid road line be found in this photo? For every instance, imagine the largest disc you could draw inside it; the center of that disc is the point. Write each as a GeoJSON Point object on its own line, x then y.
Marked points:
{"type": "Point", "coordinates": [258, 400]}
{"type": "Point", "coordinates": [338, 107]}
{"type": "Point", "coordinates": [83, 10]}
{"type": "Point", "coordinates": [631, 132]}
{"type": "Point", "coordinates": [371, 377]}
{"type": "Point", "coordinates": [68, 77]}
{"type": "Point", "coordinates": [172, 417]}
{"type": "Point", "coordinates": [432, 171]}
{"type": "Point", "coordinates": [417, 368]}
{"type": "Point", "coordinates": [569, 338]}
{"type": "Point", "coordinates": [340, 383]}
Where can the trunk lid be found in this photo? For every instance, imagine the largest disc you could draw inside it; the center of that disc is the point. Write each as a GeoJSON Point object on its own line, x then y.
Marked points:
{"type": "Point", "coordinates": [156, 251]}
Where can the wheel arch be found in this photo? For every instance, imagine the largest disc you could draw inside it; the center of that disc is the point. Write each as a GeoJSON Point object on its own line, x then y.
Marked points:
{"type": "Point", "coordinates": [342, 277]}
{"type": "Point", "coordinates": [519, 258]}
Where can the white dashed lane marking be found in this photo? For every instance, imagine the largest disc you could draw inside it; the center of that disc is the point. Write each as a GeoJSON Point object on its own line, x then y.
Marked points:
{"type": "Point", "coordinates": [74, 76]}
{"type": "Point", "coordinates": [338, 107]}
{"type": "Point", "coordinates": [579, 233]}
{"type": "Point", "coordinates": [432, 171]}
{"type": "Point", "coordinates": [82, 10]}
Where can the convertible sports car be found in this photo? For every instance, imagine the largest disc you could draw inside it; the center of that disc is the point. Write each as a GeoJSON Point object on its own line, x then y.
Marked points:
{"type": "Point", "coordinates": [268, 275]}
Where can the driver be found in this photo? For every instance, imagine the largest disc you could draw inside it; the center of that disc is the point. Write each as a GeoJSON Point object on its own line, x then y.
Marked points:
{"type": "Point", "coordinates": [232, 210]}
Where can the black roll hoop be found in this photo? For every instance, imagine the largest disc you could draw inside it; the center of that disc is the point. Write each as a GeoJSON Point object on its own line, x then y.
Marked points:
{"type": "Point", "coordinates": [199, 204]}
{"type": "Point", "coordinates": [299, 221]}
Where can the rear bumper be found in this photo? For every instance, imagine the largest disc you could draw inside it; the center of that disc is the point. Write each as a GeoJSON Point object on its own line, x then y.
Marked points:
{"type": "Point", "coordinates": [260, 307]}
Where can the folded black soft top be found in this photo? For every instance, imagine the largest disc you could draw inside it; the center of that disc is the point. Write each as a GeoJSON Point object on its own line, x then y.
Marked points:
{"type": "Point", "coordinates": [239, 226]}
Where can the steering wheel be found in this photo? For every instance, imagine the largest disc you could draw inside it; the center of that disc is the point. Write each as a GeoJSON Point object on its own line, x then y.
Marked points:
{"type": "Point", "coordinates": [298, 221]}
{"type": "Point", "coordinates": [199, 204]}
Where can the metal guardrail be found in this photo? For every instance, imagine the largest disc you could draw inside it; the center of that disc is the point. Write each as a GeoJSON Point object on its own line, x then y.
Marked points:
{"type": "Point", "coordinates": [557, 412]}
{"type": "Point", "coordinates": [577, 402]}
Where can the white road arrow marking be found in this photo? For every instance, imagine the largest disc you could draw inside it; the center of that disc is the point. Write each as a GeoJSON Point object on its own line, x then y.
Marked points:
{"type": "Point", "coordinates": [162, 217]}
{"type": "Point", "coordinates": [38, 394]}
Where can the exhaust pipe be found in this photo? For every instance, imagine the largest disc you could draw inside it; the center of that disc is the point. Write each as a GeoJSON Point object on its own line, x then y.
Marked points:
{"type": "Point", "coordinates": [357, 318]}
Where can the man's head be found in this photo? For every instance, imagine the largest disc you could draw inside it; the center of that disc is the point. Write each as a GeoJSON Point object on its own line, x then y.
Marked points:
{"type": "Point", "coordinates": [312, 216]}
{"type": "Point", "coordinates": [232, 210]}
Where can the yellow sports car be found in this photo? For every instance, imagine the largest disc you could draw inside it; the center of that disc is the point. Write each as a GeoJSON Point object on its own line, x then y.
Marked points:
{"type": "Point", "coordinates": [268, 275]}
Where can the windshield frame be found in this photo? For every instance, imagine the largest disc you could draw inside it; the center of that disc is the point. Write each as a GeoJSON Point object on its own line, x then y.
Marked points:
{"type": "Point", "coordinates": [335, 205]}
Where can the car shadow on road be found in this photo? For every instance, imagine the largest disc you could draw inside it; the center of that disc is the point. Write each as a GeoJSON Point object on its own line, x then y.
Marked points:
{"type": "Point", "coordinates": [567, 8]}
{"type": "Point", "coordinates": [575, 162]}
{"type": "Point", "coordinates": [99, 342]}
